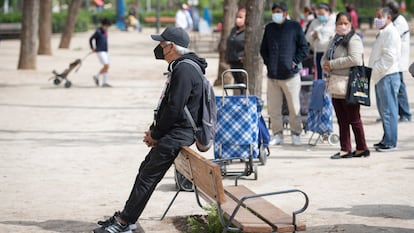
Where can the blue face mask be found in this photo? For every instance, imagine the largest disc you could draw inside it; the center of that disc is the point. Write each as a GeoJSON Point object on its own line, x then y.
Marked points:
{"type": "Point", "coordinates": [322, 18]}
{"type": "Point", "coordinates": [277, 18]}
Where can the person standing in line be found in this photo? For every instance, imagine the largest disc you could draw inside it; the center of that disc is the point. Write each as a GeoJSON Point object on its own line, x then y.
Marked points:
{"type": "Point", "coordinates": [402, 26]}
{"type": "Point", "coordinates": [354, 15]}
{"type": "Point", "coordinates": [183, 18]}
{"type": "Point", "coordinates": [235, 46]}
{"type": "Point", "coordinates": [384, 61]}
{"type": "Point", "coordinates": [411, 69]}
{"type": "Point", "coordinates": [170, 131]}
{"type": "Point", "coordinates": [101, 48]}
{"type": "Point", "coordinates": [319, 33]}
{"type": "Point", "coordinates": [344, 51]}
{"type": "Point", "coordinates": [283, 48]}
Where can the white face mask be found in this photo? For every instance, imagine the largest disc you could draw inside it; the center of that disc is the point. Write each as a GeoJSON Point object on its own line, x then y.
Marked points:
{"type": "Point", "coordinates": [379, 23]}
{"type": "Point", "coordinates": [342, 30]}
{"type": "Point", "coordinates": [277, 18]}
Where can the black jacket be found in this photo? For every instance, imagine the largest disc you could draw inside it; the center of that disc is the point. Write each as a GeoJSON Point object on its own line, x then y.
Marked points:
{"type": "Point", "coordinates": [235, 46]}
{"type": "Point", "coordinates": [185, 88]}
{"type": "Point", "coordinates": [101, 40]}
{"type": "Point", "coordinates": [282, 45]}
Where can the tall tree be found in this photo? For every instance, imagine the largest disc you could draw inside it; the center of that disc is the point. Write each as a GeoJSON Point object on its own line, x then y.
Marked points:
{"type": "Point", "coordinates": [70, 24]}
{"type": "Point", "coordinates": [229, 16]}
{"type": "Point", "coordinates": [253, 62]}
{"type": "Point", "coordinates": [30, 27]}
{"type": "Point", "coordinates": [45, 28]}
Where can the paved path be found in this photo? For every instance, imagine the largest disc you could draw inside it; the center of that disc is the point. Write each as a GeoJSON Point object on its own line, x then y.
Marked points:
{"type": "Point", "coordinates": [68, 157]}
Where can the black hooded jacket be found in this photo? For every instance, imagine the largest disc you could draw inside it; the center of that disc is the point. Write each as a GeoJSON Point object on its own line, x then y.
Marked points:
{"type": "Point", "coordinates": [185, 88]}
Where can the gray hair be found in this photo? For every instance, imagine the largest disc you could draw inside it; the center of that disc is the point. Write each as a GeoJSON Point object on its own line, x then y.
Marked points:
{"type": "Point", "coordinates": [179, 49]}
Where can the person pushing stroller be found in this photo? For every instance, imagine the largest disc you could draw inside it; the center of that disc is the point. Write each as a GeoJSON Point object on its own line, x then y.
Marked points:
{"type": "Point", "coordinates": [101, 48]}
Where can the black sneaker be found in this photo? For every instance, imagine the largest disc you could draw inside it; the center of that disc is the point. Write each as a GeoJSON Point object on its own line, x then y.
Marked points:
{"type": "Point", "coordinates": [96, 80]}
{"type": "Point", "coordinates": [116, 227]}
{"type": "Point", "coordinates": [385, 148]}
{"type": "Point", "coordinates": [112, 220]}
{"type": "Point", "coordinates": [377, 145]}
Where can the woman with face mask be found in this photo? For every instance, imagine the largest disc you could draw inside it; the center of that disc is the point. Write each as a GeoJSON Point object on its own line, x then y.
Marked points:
{"type": "Point", "coordinates": [235, 46]}
{"type": "Point", "coordinates": [320, 31]}
{"type": "Point", "coordinates": [344, 51]}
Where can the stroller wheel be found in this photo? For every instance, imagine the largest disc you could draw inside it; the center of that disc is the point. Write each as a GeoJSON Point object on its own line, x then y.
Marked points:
{"type": "Point", "coordinates": [333, 139]}
{"type": "Point", "coordinates": [56, 81]}
{"type": "Point", "coordinates": [68, 84]}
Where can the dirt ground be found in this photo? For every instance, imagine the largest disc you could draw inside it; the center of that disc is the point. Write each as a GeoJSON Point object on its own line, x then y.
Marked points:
{"type": "Point", "coordinates": [68, 157]}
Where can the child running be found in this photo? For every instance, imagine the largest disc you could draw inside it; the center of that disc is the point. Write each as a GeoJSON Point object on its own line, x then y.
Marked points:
{"type": "Point", "coordinates": [101, 48]}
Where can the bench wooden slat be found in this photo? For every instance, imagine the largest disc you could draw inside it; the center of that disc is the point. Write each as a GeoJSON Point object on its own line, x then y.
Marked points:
{"type": "Point", "coordinates": [163, 19]}
{"type": "Point", "coordinates": [244, 219]}
{"type": "Point", "coordinates": [260, 206]}
{"type": "Point", "coordinates": [206, 175]}
{"type": "Point", "coordinates": [182, 165]}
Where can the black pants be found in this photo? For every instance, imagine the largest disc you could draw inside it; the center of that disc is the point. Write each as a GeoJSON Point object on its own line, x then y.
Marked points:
{"type": "Point", "coordinates": [152, 170]}
{"type": "Point", "coordinates": [238, 76]}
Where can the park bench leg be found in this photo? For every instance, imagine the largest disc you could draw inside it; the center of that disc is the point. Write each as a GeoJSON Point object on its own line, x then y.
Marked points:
{"type": "Point", "coordinates": [169, 205]}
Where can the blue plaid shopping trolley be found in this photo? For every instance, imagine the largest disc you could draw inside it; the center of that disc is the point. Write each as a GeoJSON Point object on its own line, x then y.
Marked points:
{"type": "Point", "coordinates": [241, 133]}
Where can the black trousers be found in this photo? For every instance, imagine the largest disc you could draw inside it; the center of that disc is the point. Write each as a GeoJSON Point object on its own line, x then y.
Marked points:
{"type": "Point", "coordinates": [152, 170]}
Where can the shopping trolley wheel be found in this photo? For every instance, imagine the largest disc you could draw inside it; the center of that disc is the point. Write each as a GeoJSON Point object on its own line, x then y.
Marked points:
{"type": "Point", "coordinates": [333, 139]}
{"type": "Point", "coordinates": [56, 81]}
{"type": "Point", "coordinates": [255, 171]}
{"type": "Point", "coordinates": [263, 155]}
{"type": "Point", "coordinates": [68, 84]}
{"type": "Point", "coordinates": [182, 183]}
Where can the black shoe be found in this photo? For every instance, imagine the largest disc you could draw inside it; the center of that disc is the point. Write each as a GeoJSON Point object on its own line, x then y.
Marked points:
{"type": "Point", "coordinates": [339, 156]}
{"type": "Point", "coordinates": [112, 220]}
{"type": "Point", "coordinates": [404, 119]}
{"type": "Point", "coordinates": [364, 153]}
{"type": "Point", "coordinates": [385, 148]}
{"type": "Point", "coordinates": [379, 144]}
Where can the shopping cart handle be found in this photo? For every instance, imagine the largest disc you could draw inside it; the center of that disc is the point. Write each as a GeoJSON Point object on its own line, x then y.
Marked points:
{"type": "Point", "coordinates": [237, 86]}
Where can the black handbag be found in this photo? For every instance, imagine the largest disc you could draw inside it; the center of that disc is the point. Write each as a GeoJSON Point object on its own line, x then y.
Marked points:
{"type": "Point", "coordinates": [359, 85]}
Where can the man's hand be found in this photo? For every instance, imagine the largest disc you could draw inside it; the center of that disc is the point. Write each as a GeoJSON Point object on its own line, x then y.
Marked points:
{"type": "Point", "coordinates": [149, 141]}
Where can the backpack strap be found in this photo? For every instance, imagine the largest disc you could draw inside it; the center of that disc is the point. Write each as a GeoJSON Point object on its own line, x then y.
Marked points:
{"type": "Point", "coordinates": [186, 110]}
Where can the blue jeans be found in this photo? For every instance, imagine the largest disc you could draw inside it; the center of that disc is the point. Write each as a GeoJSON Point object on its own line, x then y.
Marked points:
{"type": "Point", "coordinates": [403, 105]}
{"type": "Point", "coordinates": [386, 91]}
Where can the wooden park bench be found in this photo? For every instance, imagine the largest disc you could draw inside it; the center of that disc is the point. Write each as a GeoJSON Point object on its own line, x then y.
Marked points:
{"type": "Point", "coordinates": [239, 208]}
{"type": "Point", "coordinates": [163, 19]}
{"type": "Point", "coordinates": [10, 30]}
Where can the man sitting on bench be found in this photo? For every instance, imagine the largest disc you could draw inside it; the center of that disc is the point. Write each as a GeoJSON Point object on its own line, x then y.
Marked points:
{"type": "Point", "coordinates": [170, 130]}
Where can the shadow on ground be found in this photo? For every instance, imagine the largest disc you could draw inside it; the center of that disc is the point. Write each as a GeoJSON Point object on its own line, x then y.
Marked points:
{"type": "Point", "coordinates": [381, 211]}
{"type": "Point", "coordinates": [356, 228]}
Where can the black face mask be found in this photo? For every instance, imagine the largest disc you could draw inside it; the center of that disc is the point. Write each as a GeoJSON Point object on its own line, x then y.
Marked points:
{"type": "Point", "coordinates": [158, 52]}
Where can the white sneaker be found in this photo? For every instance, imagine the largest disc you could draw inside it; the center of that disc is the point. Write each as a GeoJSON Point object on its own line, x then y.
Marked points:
{"type": "Point", "coordinates": [277, 139]}
{"type": "Point", "coordinates": [296, 140]}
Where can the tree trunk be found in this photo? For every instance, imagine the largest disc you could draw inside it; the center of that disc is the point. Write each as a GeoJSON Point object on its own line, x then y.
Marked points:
{"type": "Point", "coordinates": [45, 28]}
{"type": "Point", "coordinates": [229, 17]}
{"type": "Point", "coordinates": [70, 24]}
{"type": "Point", "coordinates": [30, 27]}
{"type": "Point", "coordinates": [253, 62]}
{"type": "Point", "coordinates": [296, 9]}
{"type": "Point", "coordinates": [332, 3]}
